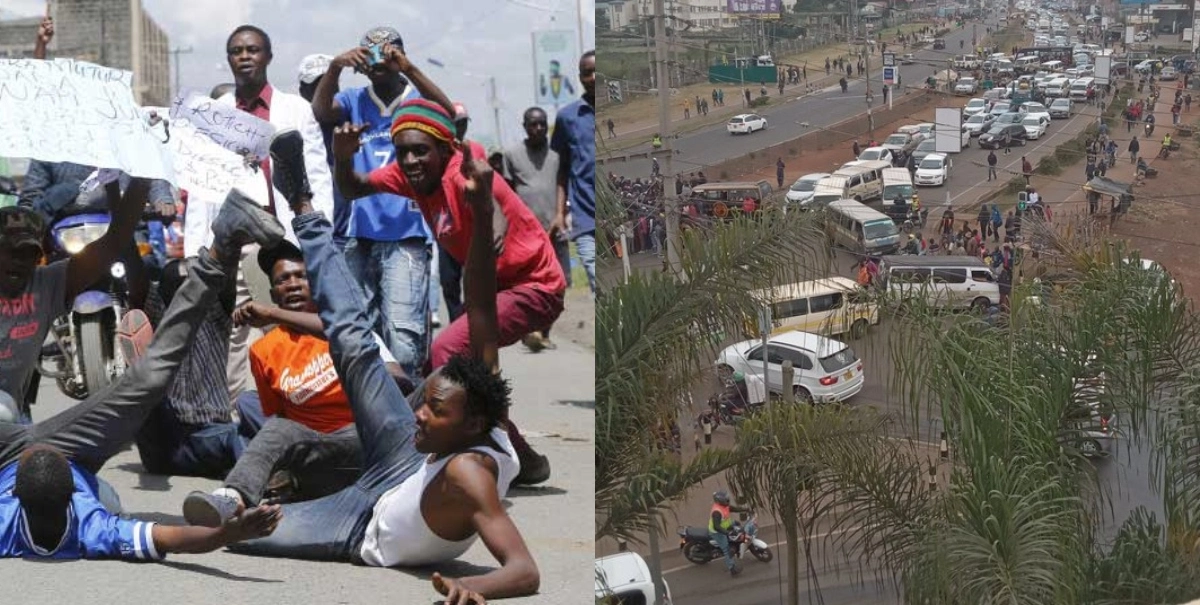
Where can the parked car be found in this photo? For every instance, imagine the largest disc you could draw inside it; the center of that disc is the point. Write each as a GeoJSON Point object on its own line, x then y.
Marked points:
{"type": "Point", "coordinates": [827, 370]}
{"type": "Point", "coordinates": [1061, 108]}
{"type": "Point", "coordinates": [974, 106]}
{"type": "Point", "coordinates": [1035, 126]}
{"type": "Point", "coordinates": [897, 141]}
{"type": "Point", "coordinates": [746, 123]}
{"type": "Point", "coordinates": [1168, 73]}
{"type": "Point", "coordinates": [1034, 109]}
{"type": "Point", "coordinates": [939, 44]}
{"type": "Point", "coordinates": [934, 170]}
{"type": "Point", "coordinates": [924, 148]}
{"type": "Point", "coordinates": [1002, 135]}
{"type": "Point", "coordinates": [877, 154]}
{"type": "Point", "coordinates": [802, 190]}
{"type": "Point", "coordinates": [966, 86]}
{"type": "Point", "coordinates": [978, 124]}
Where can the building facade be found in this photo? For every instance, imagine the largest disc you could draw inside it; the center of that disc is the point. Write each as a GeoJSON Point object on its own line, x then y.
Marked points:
{"type": "Point", "coordinates": [703, 15]}
{"type": "Point", "coordinates": [113, 33]}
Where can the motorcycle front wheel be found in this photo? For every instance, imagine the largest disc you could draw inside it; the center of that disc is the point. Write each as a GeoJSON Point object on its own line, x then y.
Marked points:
{"type": "Point", "coordinates": [95, 354]}
{"type": "Point", "coordinates": [762, 554]}
{"type": "Point", "coordinates": [696, 553]}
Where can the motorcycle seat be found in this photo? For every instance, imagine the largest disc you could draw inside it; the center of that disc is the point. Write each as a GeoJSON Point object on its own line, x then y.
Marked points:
{"type": "Point", "coordinates": [699, 533]}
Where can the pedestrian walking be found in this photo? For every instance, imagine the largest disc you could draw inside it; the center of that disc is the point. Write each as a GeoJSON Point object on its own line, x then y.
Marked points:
{"type": "Point", "coordinates": [991, 161]}
{"type": "Point", "coordinates": [779, 172]}
{"type": "Point", "coordinates": [997, 221]}
{"type": "Point", "coordinates": [857, 149]}
{"type": "Point", "coordinates": [984, 218]}
{"type": "Point", "coordinates": [707, 427]}
{"type": "Point", "coordinates": [1026, 169]}
{"type": "Point", "coordinates": [1007, 144]}
{"type": "Point", "coordinates": [612, 129]}
{"type": "Point", "coordinates": [1134, 148]}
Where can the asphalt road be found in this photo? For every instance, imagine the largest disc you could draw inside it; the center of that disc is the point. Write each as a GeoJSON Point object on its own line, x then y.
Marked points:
{"type": "Point", "coordinates": [554, 402]}
{"type": "Point", "coordinates": [714, 145]}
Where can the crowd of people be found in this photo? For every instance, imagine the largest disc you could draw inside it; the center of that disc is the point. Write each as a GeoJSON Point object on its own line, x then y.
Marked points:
{"type": "Point", "coordinates": [389, 445]}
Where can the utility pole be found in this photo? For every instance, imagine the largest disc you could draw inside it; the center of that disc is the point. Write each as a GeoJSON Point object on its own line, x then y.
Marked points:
{"type": "Point", "coordinates": [495, 103]}
{"type": "Point", "coordinates": [668, 173]}
{"type": "Point", "coordinates": [175, 52]}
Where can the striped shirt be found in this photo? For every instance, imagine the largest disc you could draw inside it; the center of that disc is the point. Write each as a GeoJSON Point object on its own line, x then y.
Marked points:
{"type": "Point", "coordinates": [199, 395]}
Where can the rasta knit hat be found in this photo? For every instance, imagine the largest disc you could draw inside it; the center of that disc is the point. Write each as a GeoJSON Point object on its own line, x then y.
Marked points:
{"type": "Point", "coordinates": [426, 116]}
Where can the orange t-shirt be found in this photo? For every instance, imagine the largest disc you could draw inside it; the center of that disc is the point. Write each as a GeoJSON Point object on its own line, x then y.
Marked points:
{"type": "Point", "coordinates": [296, 380]}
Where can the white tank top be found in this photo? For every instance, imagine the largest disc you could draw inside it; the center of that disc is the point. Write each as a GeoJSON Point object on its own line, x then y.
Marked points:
{"type": "Point", "coordinates": [398, 533]}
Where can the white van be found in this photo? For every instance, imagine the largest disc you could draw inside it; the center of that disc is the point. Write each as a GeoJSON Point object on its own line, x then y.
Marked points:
{"type": "Point", "coordinates": [1027, 63]}
{"type": "Point", "coordinates": [865, 178]}
{"type": "Point", "coordinates": [852, 182]}
{"type": "Point", "coordinates": [864, 230]}
{"type": "Point", "coordinates": [1053, 66]}
{"type": "Point", "coordinates": [897, 183]}
{"type": "Point", "coordinates": [830, 306]}
{"type": "Point", "coordinates": [953, 282]}
{"type": "Point", "coordinates": [1079, 89]}
{"type": "Point", "coordinates": [1058, 87]}
{"type": "Point", "coordinates": [625, 578]}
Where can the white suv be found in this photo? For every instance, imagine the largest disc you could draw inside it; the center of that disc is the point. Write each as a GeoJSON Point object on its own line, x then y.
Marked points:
{"type": "Point", "coordinates": [826, 370]}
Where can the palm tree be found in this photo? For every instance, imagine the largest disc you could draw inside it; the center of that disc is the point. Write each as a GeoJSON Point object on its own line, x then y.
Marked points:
{"type": "Point", "coordinates": [779, 463]}
{"type": "Point", "coordinates": [1020, 521]}
{"type": "Point", "coordinates": [657, 333]}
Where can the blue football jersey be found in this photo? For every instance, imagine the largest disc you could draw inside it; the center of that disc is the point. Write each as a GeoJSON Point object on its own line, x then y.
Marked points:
{"type": "Point", "coordinates": [381, 217]}
{"type": "Point", "coordinates": [92, 531]}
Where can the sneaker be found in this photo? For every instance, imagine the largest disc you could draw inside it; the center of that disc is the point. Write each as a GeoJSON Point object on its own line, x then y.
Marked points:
{"type": "Point", "coordinates": [534, 342]}
{"type": "Point", "coordinates": [287, 165]}
{"type": "Point", "coordinates": [242, 221]}
{"type": "Point", "coordinates": [134, 334]}
{"type": "Point", "coordinates": [209, 510]}
{"type": "Point", "coordinates": [535, 468]}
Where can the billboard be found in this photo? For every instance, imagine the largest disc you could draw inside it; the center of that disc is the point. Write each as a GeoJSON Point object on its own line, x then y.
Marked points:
{"type": "Point", "coordinates": [765, 8]}
{"type": "Point", "coordinates": [947, 130]}
{"type": "Point", "coordinates": [555, 66]}
{"type": "Point", "coordinates": [1103, 73]}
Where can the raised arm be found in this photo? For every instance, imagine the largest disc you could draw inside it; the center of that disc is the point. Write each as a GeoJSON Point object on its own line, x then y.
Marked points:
{"type": "Point", "coordinates": [479, 275]}
{"type": "Point", "coordinates": [352, 184]}
{"type": "Point", "coordinates": [44, 35]}
{"type": "Point", "coordinates": [325, 107]}
{"type": "Point", "coordinates": [259, 315]}
{"type": "Point", "coordinates": [93, 261]}
{"type": "Point", "coordinates": [397, 60]}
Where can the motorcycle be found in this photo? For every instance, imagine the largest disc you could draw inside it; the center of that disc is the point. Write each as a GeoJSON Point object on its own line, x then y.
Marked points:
{"type": "Point", "coordinates": [699, 548]}
{"type": "Point", "coordinates": [84, 357]}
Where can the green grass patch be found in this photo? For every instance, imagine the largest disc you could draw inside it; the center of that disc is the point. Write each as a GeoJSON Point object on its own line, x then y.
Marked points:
{"type": "Point", "coordinates": [1049, 166]}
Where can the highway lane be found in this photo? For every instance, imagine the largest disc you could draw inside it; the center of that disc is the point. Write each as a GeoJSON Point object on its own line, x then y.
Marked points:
{"type": "Point", "coordinates": [714, 145]}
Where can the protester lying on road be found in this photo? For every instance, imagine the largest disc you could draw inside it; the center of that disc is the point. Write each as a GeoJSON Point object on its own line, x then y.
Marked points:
{"type": "Point", "coordinates": [50, 500]}
{"type": "Point", "coordinates": [432, 479]}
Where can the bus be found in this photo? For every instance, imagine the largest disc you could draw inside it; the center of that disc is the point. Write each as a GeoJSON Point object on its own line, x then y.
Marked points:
{"type": "Point", "coordinates": [1050, 53]}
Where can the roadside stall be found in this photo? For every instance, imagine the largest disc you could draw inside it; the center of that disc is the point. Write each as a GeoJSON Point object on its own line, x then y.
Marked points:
{"type": "Point", "coordinates": [1120, 195]}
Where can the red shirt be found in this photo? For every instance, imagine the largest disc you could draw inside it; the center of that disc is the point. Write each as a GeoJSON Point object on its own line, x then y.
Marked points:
{"type": "Point", "coordinates": [260, 107]}
{"type": "Point", "coordinates": [528, 258]}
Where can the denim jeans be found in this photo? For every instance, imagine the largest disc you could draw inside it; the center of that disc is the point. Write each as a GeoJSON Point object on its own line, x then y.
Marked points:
{"type": "Point", "coordinates": [435, 280]}
{"type": "Point", "coordinates": [332, 527]}
{"type": "Point", "coordinates": [394, 279]}
{"type": "Point", "coordinates": [585, 246]}
{"type": "Point", "coordinates": [722, 541]}
{"type": "Point", "coordinates": [284, 443]}
{"type": "Point", "coordinates": [94, 430]}
{"type": "Point", "coordinates": [167, 447]}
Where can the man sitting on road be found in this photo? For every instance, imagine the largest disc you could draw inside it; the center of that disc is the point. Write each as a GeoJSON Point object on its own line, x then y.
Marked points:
{"type": "Point", "coordinates": [432, 480]}
{"type": "Point", "coordinates": [50, 499]}
{"type": "Point", "coordinates": [310, 429]}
